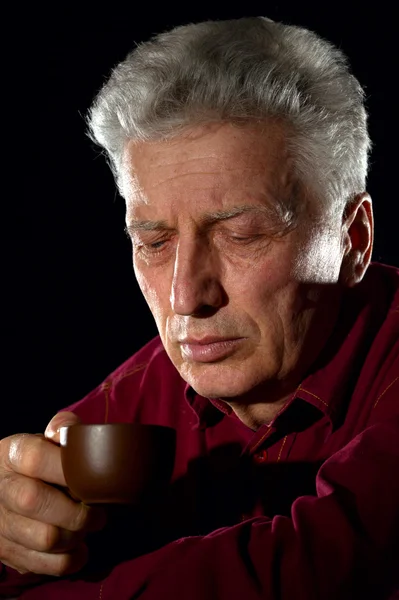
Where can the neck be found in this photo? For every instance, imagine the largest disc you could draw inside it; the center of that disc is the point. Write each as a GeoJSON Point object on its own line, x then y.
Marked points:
{"type": "Point", "coordinates": [256, 415]}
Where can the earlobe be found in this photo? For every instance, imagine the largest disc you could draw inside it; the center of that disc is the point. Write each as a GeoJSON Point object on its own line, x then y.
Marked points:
{"type": "Point", "coordinates": [358, 228]}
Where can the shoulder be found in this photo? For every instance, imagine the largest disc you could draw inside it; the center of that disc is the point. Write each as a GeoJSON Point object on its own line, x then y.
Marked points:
{"type": "Point", "coordinates": [376, 307]}
{"type": "Point", "coordinates": [148, 375]}
{"type": "Point", "coordinates": [380, 288]}
{"type": "Point", "coordinates": [380, 381]}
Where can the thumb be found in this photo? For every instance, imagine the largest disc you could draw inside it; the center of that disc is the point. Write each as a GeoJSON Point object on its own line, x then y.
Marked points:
{"type": "Point", "coordinates": [61, 419]}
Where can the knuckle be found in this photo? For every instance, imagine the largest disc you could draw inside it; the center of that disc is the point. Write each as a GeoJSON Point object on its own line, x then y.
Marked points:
{"type": "Point", "coordinates": [18, 495]}
{"type": "Point", "coordinates": [32, 498]}
{"type": "Point", "coordinates": [27, 496]}
{"type": "Point", "coordinates": [30, 455]}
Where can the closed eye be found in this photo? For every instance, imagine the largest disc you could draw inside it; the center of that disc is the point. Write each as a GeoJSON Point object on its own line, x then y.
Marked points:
{"type": "Point", "coordinates": [244, 238]}
{"type": "Point", "coordinates": [156, 245]}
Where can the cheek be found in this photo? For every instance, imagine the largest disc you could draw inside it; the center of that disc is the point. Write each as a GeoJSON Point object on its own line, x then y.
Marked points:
{"type": "Point", "coordinates": [263, 295]}
{"type": "Point", "coordinates": [151, 288]}
{"type": "Point", "coordinates": [319, 259]}
{"type": "Point", "coordinates": [261, 283]}
{"type": "Point", "coordinates": [274, 293]}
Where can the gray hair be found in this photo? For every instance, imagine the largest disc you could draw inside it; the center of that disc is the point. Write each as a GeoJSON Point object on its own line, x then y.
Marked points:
{"type": "Point", "coordinates": [249, 68]}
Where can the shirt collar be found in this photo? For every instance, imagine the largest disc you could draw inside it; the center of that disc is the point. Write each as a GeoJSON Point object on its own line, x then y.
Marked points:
{"type": "Point", "coordinates": [330, 383]}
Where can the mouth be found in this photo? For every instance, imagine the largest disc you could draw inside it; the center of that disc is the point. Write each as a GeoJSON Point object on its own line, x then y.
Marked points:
{"type": "Point", "coordinates": [209, 349]}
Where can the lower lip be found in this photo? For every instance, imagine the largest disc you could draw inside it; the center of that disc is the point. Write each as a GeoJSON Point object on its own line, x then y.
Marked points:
{"type": "Point", "coordinates": [213, 352]}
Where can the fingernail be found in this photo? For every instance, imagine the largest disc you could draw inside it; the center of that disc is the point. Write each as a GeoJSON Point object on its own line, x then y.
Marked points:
{"type": "Point", "coordinates": [51, 432]}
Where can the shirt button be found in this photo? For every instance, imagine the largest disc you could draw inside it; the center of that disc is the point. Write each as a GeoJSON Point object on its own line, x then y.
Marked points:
{"type": "Point", "coordinates": [260, 457]}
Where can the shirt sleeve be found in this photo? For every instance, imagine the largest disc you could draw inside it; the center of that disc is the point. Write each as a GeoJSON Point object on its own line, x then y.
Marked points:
{"type": "Point", "coordinates": [342, 543]}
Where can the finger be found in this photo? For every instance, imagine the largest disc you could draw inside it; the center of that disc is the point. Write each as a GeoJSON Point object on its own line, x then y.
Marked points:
{"type": "Point", "coordinates": [62, 419]}
{"type": "Point", "coordinates": [35, 535]}
{"type": "Point", "coordinates": [33, 456]}
{"type": "Point", "coordinates": [35, 499]}
{"type": "Point", "coordinates": [43, 563]}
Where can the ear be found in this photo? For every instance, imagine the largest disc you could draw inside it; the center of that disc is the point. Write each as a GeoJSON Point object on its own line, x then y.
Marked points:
{"type": "Point", "coordinates": [357, 239]}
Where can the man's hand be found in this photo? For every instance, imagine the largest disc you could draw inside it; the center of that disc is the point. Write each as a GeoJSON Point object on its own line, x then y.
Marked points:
{"type": "Point", "coordinates": [42, 529]}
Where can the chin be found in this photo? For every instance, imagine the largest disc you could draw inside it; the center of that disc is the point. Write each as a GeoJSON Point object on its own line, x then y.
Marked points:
{"type": "Point", "coordinates": [222, 392]}
{"type": "Point", "coordinates": [216, 384]}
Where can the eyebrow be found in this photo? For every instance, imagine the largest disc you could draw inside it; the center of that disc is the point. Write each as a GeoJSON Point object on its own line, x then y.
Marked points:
{"type": "Point", "coordinates": [208, 219]}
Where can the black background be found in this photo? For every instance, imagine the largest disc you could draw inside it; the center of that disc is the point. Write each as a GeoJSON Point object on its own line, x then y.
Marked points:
{"type": "Point", "coordinates": [71, 309]}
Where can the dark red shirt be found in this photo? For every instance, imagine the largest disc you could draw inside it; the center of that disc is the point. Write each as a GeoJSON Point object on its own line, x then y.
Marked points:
{"type": "Point", "coordinates": [306, 507]}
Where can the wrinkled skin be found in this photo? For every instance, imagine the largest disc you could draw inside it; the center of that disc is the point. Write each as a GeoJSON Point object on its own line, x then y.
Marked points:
{"type": "Point", "coordinates": [217, 252]}
{"type": "Point", "coordinates": [268, 277]}
{"type": "Point", "coordinates": [42, 529]}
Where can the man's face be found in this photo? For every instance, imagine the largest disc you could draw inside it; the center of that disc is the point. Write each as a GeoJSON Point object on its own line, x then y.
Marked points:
{"type": "Point", "coordinates": [242, 299]}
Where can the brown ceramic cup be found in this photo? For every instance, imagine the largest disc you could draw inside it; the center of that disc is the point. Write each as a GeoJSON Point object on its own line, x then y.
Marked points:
{"type": "Point", "coordinates": [117, 463]}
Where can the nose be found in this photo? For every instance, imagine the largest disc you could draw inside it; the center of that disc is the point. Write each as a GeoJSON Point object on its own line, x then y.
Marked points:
{"type": "Point", "coordinates": [196, 286]}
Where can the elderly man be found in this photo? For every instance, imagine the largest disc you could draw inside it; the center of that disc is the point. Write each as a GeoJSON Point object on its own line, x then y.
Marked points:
{"type": "Point", "coordinates": [240, 148]}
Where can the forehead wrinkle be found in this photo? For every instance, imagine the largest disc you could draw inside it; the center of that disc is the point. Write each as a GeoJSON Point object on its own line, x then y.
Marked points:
{"type": "Point", "coordinates": [182, 175]}
{"type": "Point", "coordinates": [235, 202]}
{"type": "Point", "coordinates": [218, 174]}
{"type": "Point", "coordinates": [205, 219]}
{"type": "Point", "coordinates": [175, 162]}
{"type": "Point", "coordinates": [182, 167]}
{"type": "Point", "coordinates": [275, 184]}
{"type": "Point", "coordinates": [216, 182]}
